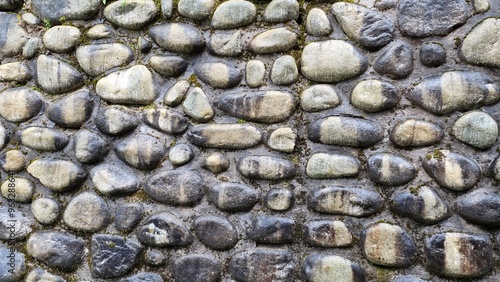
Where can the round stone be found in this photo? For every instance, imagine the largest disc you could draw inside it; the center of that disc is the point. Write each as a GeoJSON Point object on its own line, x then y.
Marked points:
{"type": "Point", "coordinates": [16, 226]}
{"type": "Point", "coordinates": [12, 42]}
{"type": "Point", "coordinates": [284, 71]}
{"type": "Point", "coordinates": [279, 199]}
{"type": "Point", "coordinates": [198, 10]}
{"type": "Point", "coordinates": [57, 11]}
{"type": "Point", "coordinates": [30, 18]}
{"type": "Point", "coordinates": [255, 72]}
{"type": "Point", "coordinates": [265, 167]}
{"type": "Point", "coordinates": [175, 187]}
{"type": "Point", "coordinates": [278, 11]}
{"type": "Point", "coordinates": [18, 189]}
{"type": "Point", "coordinates": [131, 14]}
{"type": "Point", "coordinates": [45, 210]}
{"type": "Point", "coordinates": [317, 23]}
{"type": "Point", "coordinates": [262, 264]}
{"type": "Point", "coordinates": [20, 104]}
{"type": "Point", "coordinates": [319, 97]}
{"type": "Point", "coordinates": [180, 154]}
{"type": "Point", "coordinates": [477, 129]}
{"type": "Point", "coordinates": [225, 136]}
{"type": "Point", "coordinates": [216, 232]}
{"type": "Point", "coordinates": [166, 120]}
{"type": "Point", "coordinates": [61, 39]}
{"type": "Point", "coordinates": [56, 76]}
{"type": "Point", "coordinates": [320, 267]}
{"type": "Point", "coordinates": [168, 66]}
{"type": "Point", "coordinates": [374, 95]}
{"type": "Point", "coordinates": [481, 207]}
{"type": "Point", "coordinates": [233, 197]}
{"type": "Point", "coordinates": [32, 47]}
{"type": "Point", "coordinates": [282, 139]}
{"type": "Point", "coordinates": [43, 139]}
{"type": "Point", "coordinates": [390, 169]}
{"type": "Point", "coordinates": [15, 71]}
{"type": "Point", "coordinates": [432, 54]}
{"type": "Point", "coordinates": [225, 17]}
{"type": "Point", "coordinates": [216, 163]}
{"type": "Point", "coordinates": [164, 230]}
{"type": "Point", "coordinates": [89, 147]}
{"type": "Point", "coordinates": [144, 44]}
{"type": "Point", "coordinates": [226, 43]}
{"type": "Point", "coordinates": [178, 37]}
{"type": "Point", "coordinates": [13, 161]}
{"type": "Point", "coordinates": [57, 175]}
{"type": "Point", "coordinates": [268, 229]}
{"type": "Point", "coordinates": [38, 275]}
{"type": "Point", "coordinates": [87, 212]}
{"type": "Point", "coordinates": [345, 201]}
{"type": "Point", "coordinates": [477, 47]}
{"type": "Point", "coordinates": [112, 255]}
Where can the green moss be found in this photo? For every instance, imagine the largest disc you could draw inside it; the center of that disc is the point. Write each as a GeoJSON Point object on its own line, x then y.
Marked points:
{"type": "Point", "coordinates": [193, 80]}
{"type": "Point", "coordinates": [46, 23]}
{"type": "Point", "coordinates": [111, 244]}
{"type": "Point", "coordinates": [241, 121]}
{"type": "Point", "coordinates": [415, 190]}
{"type": "Point", "coordinates": [139, 196]}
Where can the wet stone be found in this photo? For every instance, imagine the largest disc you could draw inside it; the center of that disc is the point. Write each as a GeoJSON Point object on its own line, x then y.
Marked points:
{"type": "Point", "coordinates": [142, 151]}
{"type": "Point", "coordinates": [477, 129]}
{"type": "Point", "coordinates": [327, 233]}
{"type": "Point", "coordinates": [317, 23]}
{"type": "Point", "coordinates": [225, 17]}
{"type": "Point", "coordinates": [421, 204]}
{"type": "Point", "coordinates": [284, 71]}
{"type": "Point", "coordinates": [269, 229]}
{"type": "Point", "coordinates": [13, 36]}
{"type": "Point", "coordinates": [218, 74]}
{"type": "Point", "coordinates": [262, 264]}
{"type": "Point", "coordinates": [176, 93]}
{"type": "Point", "coordinates": [266, 107]}
{"type": "Point", "coordinates": [280, 199]}
{"type": "Point", "coordinates": [198, 106]}
{"type": "Point", "coordinates": [180, 154]}
{"type": "Point", "coordinates": [10, 5]}
{"type": "Point", "coordinates": [15, 71]}
{"type": "Point", "coordinates": [416, 133]}
{"type": "Point", "coordinates": [115, 121]}
{"type": "Point", "coordinates": [31, 47]}
{"type": "Point", "coordinates": [390, 169]}
{"type": "Point", "coordinates": [168, 66]}
{"type": "Point", "coordinates": [452, 170]}
{"type": "Point", "coordinates": [40, 275]}
{"type": "Point", "coordinates": [370, 29]}
{"type": "Point", "coordinates": [87, 212]}
{"type": "Point", "coordinates": [216, 232]}
{"type": "Point", "coordinates": [20, 189]}
{"type": "Point", "coordinates": [71, 111]}
{"type": "Point", "coordinates": [345, 201]}
{"type": "Point", "coordinates": [225, 136]}
{"type": "Point", "coordinates": [113, 256]}
{"type": "Point", "coordinates": [164, 230]}
{"type": "Point", "coordinates": [178, 37]}
{"type": "Point", "coordinates": [432, 54]}
{"type": "Point", "coordinates": [57, 175]}
{"type": "Point", "coordinates": [265, 167]}
{"type": "Point", "coordinates": [45, 210]}
{"type": "Point", "coordinates": [319, 97]}
{"type": "Point", "coordinates": [282, 139]}
{"type": "Point", "coordinates": [330, 165]}
{"type": "Point", "coordinates": [278, 11]}
{"type": "Point", "coordinates": [96, 59]}
{"type": "Point", "coordinates": [374, 95]}
{"type": "Point", "coordinates": [128, 215]}
{"type": "Point", "coordinates": [165, 120]}
{"type": "Point", "coordinates": [177, 187]}
{"type": "Point", "coordinates": [226, 43]}
{"type": "Point", "coordinates": [197, 268]}
{"type": "Point", "coordinates": [61, 39]}
{"type": "Point", "coordinates": [113, 180]}
{"type": "Point", "coordinates": [255, 72]}
{"type": "Point", "coordinates": [428, 17]}
{"type": "Point", "coordinates": [55, 76]}
{"type": "Point", "coordinates": [131, 86]}
{"type": "Point", "coordinates": [155, 257]}
{"type": "Point", "coordinates": [56, 249]}
{"type": "Point", "coordinates": [477, 47]}
{"type": "Point", "coordinates": [272, 41]}
{"type": "Point", "coordinates": [216, 162]}
{"type": "Point", "coordinates": [14, 226]}
{"type": "Point", "coordinates": [100, 31]}
{"type": "Point", "coordinates": [13, 161]}
{"type": "Point", "coordinates": [54, 11]}
{"type": "Point", "coordinates": [43, 139]}
{"type": "Point", "coordinates": [195, 10]}
{"type": "Point", "coordinates": [131, 14]}
{"type": "Point", "coordinates": [320, 267]}
{"type": "Point", "coordinates": [233, 197]}
{"type": "Point", "coordinates": [89, 147]}
{"type": "Point", "coordinates": [346, 131]}
{"type": "Point", "coordinates": [396, 62]}
{"type": "Point", "coordinates": [458, 255]}
{"type": "Point", "coordinates": [143, 277]}
{"type": "Point", "coordinates": [481, 207]}
{"type": "Point", "coordinates": [20, 104]}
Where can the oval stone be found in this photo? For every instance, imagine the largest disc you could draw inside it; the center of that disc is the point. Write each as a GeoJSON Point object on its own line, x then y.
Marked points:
{"type": "Point", "coordinates": [56, 11]}
{"type": "Point", "coordinates": [87, 212]}
{"type": "Point", "coordinates": [481, 207]}
{"type": "Point", "coordinates": [73, 110]}
{"type": "Point", "coordinates": [421, 204]}
{"type": "Point", "coordinates": [416, 133]}
{"type": "Point", "coordinates": [273, 41]}
{"type": "Point", "coordinates": [96, 59]}
{"type": "Point", "coordinates": [262, 264]}
{"type": "Point", "coordinates": [282, 139]}
{"type": "Point", "coordinates": [17, 189]}
{"type": "Point", "coordinates": [56, 76]}
{"type": "Point", "coordinates": [175, 187]}
{"type": "Point", "coordinates": [142, 151]}
{"type": "Point", "coordinates": [322, 267]}
{"type": "Point", "coordinates": [374, 95]}
{"type": "Point", "coordinates": [168, 66]}
{"type": "Point", "coordinates": [477, 129]}
{"type": "Point", "coordinates": [115, 121]}
{"type": "Point", "coordinates": [317, 23]}
{"type": "Point", "coordinates": [268, 229]}
{"type": "Point", "coordinates": [61, 39]}
{"type": "Point", "coordinates": [15, 71]}
{"type": "Point", "coordinates": [324, 166]}
{"type": "Point", "coordinates": [278, 11]}
{"type": "Point", "coordinates": [233, 14]}
{"type": "Point", "coordinates": [128, 215]}
{"type": "Point", "coordinates": [43, 139]}
{"type": "Point", "coordinates": [216, 232]}
{"type": "Point", "coordinates": [20, 104]}
{"type": "Point", "coordinates": [176, 93]}
{"type": "Point", "coordinates": [218, 74]}
{"type": "Point", "coordinates": [233, 197]}
{"type": "Point", "coordinates": [164, 230]}
{"type": "Point", "coordinates": [396, 62]}
{"type": "Point", "coordinates": [226, 43]}
{"type": "Point", "coordinates": [265, 167]}
{"type": "Point", "coordinates": [57, 175]}
{"type": "Point", "coordinates": [319, 97]}
{"type": "Point", "coordinates": [477, 47]}
{"type": "Point", "coordinates": [390, 169]}
{"type": "Point", "coordinates": [195, 268]}
{"type": "Point", "coordinates": [178, 38]}
{"type": "Point", "coordinates": [112, 180]}
{"type": "Point", "coordinates": [345, 201]}
{"type": "Point", "coordinates": [346, 131]}
{"type": "Point", "coordinates": [131, 14]}
{"type": "Point", "coordinates": [225, 136]}
{"type": "Point", "coordinates": [195, 9]}
{"type": "Point", "coordinates": [327, 233]}
{"type": "Point", "coordinates": [165, 120]}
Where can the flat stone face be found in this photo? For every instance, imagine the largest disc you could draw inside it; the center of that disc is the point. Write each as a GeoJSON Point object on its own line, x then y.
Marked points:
{"type": "Point", "coordinates": [128, 215]}
{"type": "Point", "coordinates": [113, 180]}
{"type": "Point", "coordinates": [61, 39]}
{"type": "Point", "coordinates": [327, 233]}
{"type": "Point", "coordinates": [233, 197]}
{"type": "Point", "coordinates": [142, 151]}
{"type": "Point", "coordinates": [416, 133]}
{"type": "Point", "coordinates": [218, 74]}
{"type": "Point", "coordinates": [324, 165]}
{"type": "Point", "coordinates": [43, 139]}
{"type": "Point", "coordinates": [73, 110]}
{"type": "Point", "coordinates": [281, 11]}
{"type": "Point", "coordinates": [57, 175]}
{"type": "Point", "coordinates": [54, 11]}
{"type": "Point", "coordinates": [422, 204]}
{"type": "Point", "coordinates": [272, 229]}
{"type": "Point", "coordinates": [132, 14]}
{"type": "Point", "coordinates": [178, 38]}
{"type": "Point", "coordinates": [458, 255]}
{"type": "Point", "coordinates": [193, 268]}
{"type": "Point", "coordinates": [180, 188]}
{"type": "Point", "coordinates": [345, 201]}
{"type": "Point", "coordinates": [262, 264]}
{"type": "Point", "coordinates": [226, 43]}
{"type": "Point", "coordinates": [216, 232]}
{"type": "Point", "coordinates": [226, 136]}
{"type": "Point", "coordinates": [87, 212]}
{"type": "Point", "coordinates": [163, 230]}
{"type": "Point", "coordinates": [396, 62]}
{"type": "Point", "coordinates": [273, 40]}
{"type": "Point", "coordinates": [20, 104]}
{"type": "Point", "coordinates": [166, 120]}
{"type": "Point", "coordinates": [196, 10]}
{"type": "Point", "coordinates": [319, 97]}
{"type": "Point", "coordinates": [225, 16]}
{"type": "Point", "coordinates": [13, 36]}
{"type": "Point", "coordinates": [115, 121]}
{"type": "Point", "coordinates": [480, 207]}
{"type": "Point", "coordinates": [265, 167]}
{"type": "Point", "coordinates": [96, 59]}
{"type": "Point", "coordinates": [113, 256]}
{"type": "Point", "coordinates": [477, 129]}
{"type": "Point", "coordinates": [56, 76]}
{"type": "Point", "coordinates": [168, 66]}
{"type": "Point", "coordinates": [319, 267]}
{"type": "Point", "coordinates": [317, 23]}
{"type": "Point", "coordinates": [390, 169]}
{"type": "Point", "coordinates": [374, 95]}
{"type": "Point", "coordinates": [477, 48]}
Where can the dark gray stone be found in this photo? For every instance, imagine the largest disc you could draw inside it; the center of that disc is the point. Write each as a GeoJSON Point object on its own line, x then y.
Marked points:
{"type": "Point", "coordinates": [89, 147]}
{"type": "Point", "coordinates": [168, 66]}
{"type": "Point", "coordinates": [269, 229]}
{"type": "Point", "coordinates": [416, 133]}
{"type": "Point", "coordinates": [166, 120]}
{"type": "Point", "coordinates": [13, 36]}
{"type": "Point", "coordinates": [321, 267]}
{"type": "Point", "coordinates": [56, 76]}
{"type": "Point", "coordinates": [57, 175]}
{"type": "Point", "coordinates": [421, 204]}
{"type": "Point", "coordinates": [73, 110]}
{"type": "Point", "coordinates": [225, 17]}
{"type": "Point", "coordinates": [87, 212]}
{"type": "Point", "coordinates": [265, 167]}
{"type": "Point", "coordinates": [43, 139]}
{"type": "Point", "coordinates": [177, 187]}
{"type": "Point", "coordinates": [155, 257]}
{"type": "Point", "coordinates": [131, 14]}
{"type": "Point", "coordinates": [143, 277]}
{"type": "Point", "coordinates": [54, 11]}
{"type": "Point", "coordinates": [197, 268]}
{"type": "Point", "coordinates": [10, 5]}
{"type": "Point", "coordinates": [164, 230]}
{"type": "Point", "coordinates": [396, 62]}
{"type": "Point", "coordinates": [481, 207]}
{"type": "Point", "coordinates": [390, 169]}
{"type": "Point", "coordinates": [141, 151]}
{"type": "Point", "coordinates": [345, 201]}
{"type": "Point", "coordinates": [374, 95]}
{"type": "Point", "coordinates": [262, 264]}
{"type": "Point", "coordinates": [128, 215]}
{"type": "Point", "coordinates": [115, 121]}
{"type": "Point", "coordinates": [20, 104]}
{"type": "Point", "coordinates": [96, 59]}
{"type": "Point", "coordinates": [432, 54]}
{"type": "Point", "coordinates": [168, 36]}
{"type": "Point", "coordinates": [233, 197]}
{"type": "Point", "coordinates": [216, 232]}
{"type": "Point", "coordinates": [225, 136]}
{"type": "Point", "coordinates": [113, 256]}
{"type": "Point", "coordinates": [218, 74]}
{"type": "Point", "coordinates": [144, 44]}
{"type": "Point", "coordinates": [113, 180]}
{"type": "Point", "coordinates": [17, 230]}
{"type": "Point", "coordinates": [327, 233]}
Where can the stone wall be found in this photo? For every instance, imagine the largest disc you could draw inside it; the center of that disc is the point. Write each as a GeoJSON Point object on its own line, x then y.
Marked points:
{"type": "Point", "coordinates": [203, 140]}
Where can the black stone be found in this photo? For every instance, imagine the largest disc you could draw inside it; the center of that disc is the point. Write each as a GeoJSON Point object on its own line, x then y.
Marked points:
{"type": "Point", "coordinates": [233, 197]}
{"type": "Point", "coordinates": [216, 232]}
{"type": "Point", "coordinates": [396, 62]}
{"type": "Point", "coordinates": [113, 256]}
{"type": "Point", "coordinates": [399, 171]}
{"type": "Point", "coordinates": [272, 229]}
{"type": "Point", "coordinates": [197, 268]}
{"type": "Point", "coordinates": [164, 230]}
{"type": "Point", "coordinates": [481, 207]}
{"type": "Point", "coordinates": [128, 215]}
{"type": "Point", "coordinates": [432, 54]}
{"type": "Point", "coordinates": [262, 264]}
{"type": "Point", "coordinates": [178, 187]}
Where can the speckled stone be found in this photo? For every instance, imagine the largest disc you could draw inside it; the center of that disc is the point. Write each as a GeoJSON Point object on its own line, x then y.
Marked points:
{"type": "Point", "coordinates": [319, 97]}
{"type": "Point", "coordinates": [155, 257]}
{"type": "Point", "coordinates": [282, 139]}
{"type": "Point", "coordinates": [279, 199]}
{"type": "Point", "coordinates": [180, 154]}
{"type": "Point", "coordinates": [18, 189]}
{"type": "Point", "coordinates": [477, 129]}
{"type": "Point", "coordinates": [176, 187]}
{"type": "Point", "coordinates": [284, 71]}
{"type": "Point", "coordinates": [327, 233]}
{"type": "Point", "coordinates": [195, 268]}
{"type": "Point", "coordinates": [317, 23]}
{"type": "Point", "coordinates": [15, 225]}
{"type": "Point", "coordinates": [45, 210]}
{"type": "Point", "coordinates": [225, 136]}
{"type": "Point", "coordinates": [390, 169]}
{"type": "Point", "coordinates": [272, 41]}
{"type": "Point", "coordinates": [477, 47]}
{"type": "Point", "coordinates": [481, 207]}
{"type": "Point", "coordinates": [57, 175]}
{"type": "Point", "coordinates": [164, 230]}
{"type": "Point", "coordinates": [265, 167]}
{"type": "Point", "coordinates": [374, 95]}
{"type": "Point", "coordinates": [345, 201]}
{"type": "Point", "coordinates": [262, 264]}
{"type": "Point", "coordinates": [233, 197]}
{"type": "Point", "coordinates": [15, 71]}
{"type": "Point", "coordinates": [87, 212]}
{"type": "Point", "coordinates": [216, 232]}
{"type": "Point", "coordinates": [128, 215]}
{"type": "Point", "coordinates": [416, 133]}
{"type": "Point", "coordinates": [142, 151]}
{"type": "Point", "coordinates": [321, 267]}
{"type": "Point", "coordinates": [422, 204]}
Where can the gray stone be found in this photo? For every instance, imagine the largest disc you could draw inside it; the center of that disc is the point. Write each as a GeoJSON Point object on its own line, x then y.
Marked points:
{"type": "Point", "coordinates": [279, 199]}
{"type": "Point", "coordinates": [164, 230]}
{"type": "Point", "coordinates": [317, 23]}
{"type": "Point", "coordinates": [13, 161]}
{"type": "Point", "coordinates": [265, 167]}
{"type": "Point", "coordinates": [87, 212]}
{"type": "Point", "coordinates": [141, 151]}
{"type": "Point", "coordinates": [327, 233]}
{"type": "Point", "coordinates": [43, 139]}
{"type": "Point", "coordinates": [100, 31]}
{"type": "Point", "coordinates": [56, 249]}
{"type": "Point", "coordinates": [197, 268]}
{"type": "Point", "coordinates": [175, 187]}
{"type": "Point", "coordinates": [407, 278]}
{"type": "Point", "coordinates": [16, 71]}
{"type": "Point", "coordinates": [115, 121]}
{"type": "Point", "coordinates": [225, 136]}
{"type": "Point", "coordinates": [267, 229]}
{"type": "Point", "coordinates": [216, 232]}
{"type": "Point", "coordinates": [132, 86]}
{"type": "Point", "coordinates": [282, 139]}
{"type": "Point", "coordinates": [262, 264]}
{"type": "Point", "coordinates": [284, 70]}
{"type": "Point", "coordinates": [198, 106]}
{"type": "Point", "coordinates": [390, 169]}
{"type": "Point", "coordinates": [416, 133]}
{"type": "Point", "coordinates": [155, 257]}
{"type": "Point", "coordinates": [477, 129]}
{"type": "Point", "coordinates": [481, 6]}
{"type": "Point", "coordinates": [458, 255]}
{"type": "Point", "coordinates": [29, 18]}
{"type": "Point", "coordinates": [327, 165]}
{"type": "Point", "coordinates": [176, 93]}
{"type": "Point", "coordinates": [216, 163]}
{"type": "Point", "coordinates": [319, 97]}
{"type": "Point", "coordinates": [322, 267]}
{"type": "Point", "coordinates": [96, 59]}
{"type": "Point", "coordinates": [20, 104]}
{"type": "Point", "coordinates": [144, 44]}
{"type": "Point", "coordinates": [144, 276]}
{"type": "Point", "coordinates": [13, 36]}
{"type": "Point", "coordinates": [89, 147]}
{"type": "Point", "coordinates": [374, 95]}
{"type": "Point", "coordinates": [55, 11]}
{"type": "Point", "coordinates": [452, 170]}
{"type": "Point", "coordinates": [73, 110]}
{"type": "Point", "coordinates": [167, 7]}
{"type": "Point", "coordinates": [233, 197]}
{"type": "Point", "coordinates": [45, 210]}
{"type": "Point", "coordinates": [367, 27]}
{"type": "Point", "coordinates": [61, 39]}
{"type": "Point", "coordinates": [178, 37]}
{"type": "Point", "coordinates": [266, 107]}
{"type": "Point", "coordinates": [14, 225]}
{"type": "Point", "coordinates": [345, 201]}
{"type": "Point", "coordinates": [388, 245]}
{"type": "Point", "coordinates": [255, 71]}
{"type": "Point", "coordinates": [318, 64]}
{"type": "Point", "coordinates": [421, 204]}
{"type": "Point", "coordinates": [55, 76]}
{"type": "Point", "coordinates": [477, 47]}
{"type": "Point", "coordinates": [10, 5]}
{"type": "Point", "coordinates": [31, 47]}
{"type": "Point", "coordinates": [166, 120]}
{"type": "Point", "coordinates": [346, 131]}
{"type": "Point", "coordinates": [198, 10]}
{"type": "Point", "coordinates": [113, 180]}
{"type": "Point", "coordinates": [131, 14]}
{"type": "Point", "coordinates": [225, 16]}
{"type": "Point", "coordinates": [429, 17]}
{"type": "Point", "coordinates": [180, 154]}
{"type": "Point", "coordinates": [113, 256]}
{"type": "Point", "coordinates": [226, 43]}
{"type": "Point", "coordinates": [218, 74]}
{"type": "Point", "coordinates": [57, 175]}
{"type": "Point", "coordinates": [273, 41]}
{"type": "Point", "coordinates": [494, 168]}
{"type": "Point", "coordinates": [18, 189]}
{"type": "Point", "coordinates": [432, 54]}
{"type": "Point", "coordinates": [128, 215]}
{"type": "Point", "coordinates": [40, 275]}
{"type": "Point", "coordinates": [481, 207]}
{"type": "Point", "coordinates": [396, 62]}
{"type": "Point", "coordinates": [4, 136]}
{"type": "Point", "coordinates": [168, 66]}
{"type": "Point", "coordinates": [278, 11]}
